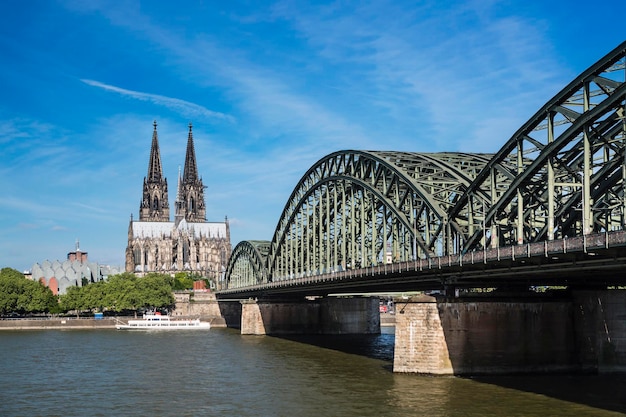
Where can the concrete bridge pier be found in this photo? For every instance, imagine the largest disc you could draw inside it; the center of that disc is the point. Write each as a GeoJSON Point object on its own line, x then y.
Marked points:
{"type": "Point", "coordinates": [350, 315]}
{"type": "Point", "coordinates": [576, 331]}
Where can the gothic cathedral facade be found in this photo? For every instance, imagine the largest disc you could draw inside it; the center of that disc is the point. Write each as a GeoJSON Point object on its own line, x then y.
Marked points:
{"type": "Point", "coordinates": [187, 244]}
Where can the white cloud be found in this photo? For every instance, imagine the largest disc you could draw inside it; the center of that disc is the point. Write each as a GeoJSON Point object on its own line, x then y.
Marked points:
{"type": "Point", "coordinates": [181, 106]}
{"type": "Point", "coordinates": [440, 72]}
{"type": "Point", "coordinates": [300, 81]}
{"type": "Point", "coordinates": [401, 78]}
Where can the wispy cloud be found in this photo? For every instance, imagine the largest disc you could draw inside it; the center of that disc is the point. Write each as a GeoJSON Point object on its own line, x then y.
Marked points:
{"type": "Point", "coordinates": [294, 115]}
{"type": "Point", "coordinates": [403, 78]}
{"type": "Point", "coordinates": [181, 106]}
{"type": "Point", "coordinates": [290, 82]}
{"type": "Point", "coordinates": [440, 72]}
{"type": "Point", "coordinates": [274, 99]}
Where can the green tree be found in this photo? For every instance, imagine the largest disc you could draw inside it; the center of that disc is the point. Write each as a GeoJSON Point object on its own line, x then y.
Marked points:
{"type": "Point", "coordinates": [128, 292]}
{"type": "Point", "coordinates": [120, 293]}
{"type": "Point", "coordinates": [73, 299]}
{"type": "Point", "coordinates": [96, 296]}
{"type": "Point", "coordinates": [156, 291]}
{"type": "Point", "coordinates": [182, 281]}
{"type": "Point", "coordinates": [21, 295]}
{"type": "Point", "coordinates": [40, 298]}
{"type": "Point", "coordinates": [9, 290]}
{"type": "Point", "coordinates": [87, 298]}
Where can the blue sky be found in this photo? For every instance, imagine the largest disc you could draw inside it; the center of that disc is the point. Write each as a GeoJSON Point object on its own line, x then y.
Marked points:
{"type": "Point", "coordinates": [270, 87]}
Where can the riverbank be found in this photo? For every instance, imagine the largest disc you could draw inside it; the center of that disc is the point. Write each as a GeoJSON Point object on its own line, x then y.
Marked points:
{"type": "Point", "coordinates": [77, 323]}
{"type": "Point", "coordinates": [55, 323]}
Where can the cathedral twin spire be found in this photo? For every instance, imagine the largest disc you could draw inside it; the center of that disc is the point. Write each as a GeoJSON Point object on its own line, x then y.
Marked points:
{"type": "Point", "coordinates": [154, 203]}
{"type": "Point", "coordinates": [190, 203]}
{"type": "Point", "coordinates": [155, 171]}
{"type": "Point", "coordinates": [191, 170]}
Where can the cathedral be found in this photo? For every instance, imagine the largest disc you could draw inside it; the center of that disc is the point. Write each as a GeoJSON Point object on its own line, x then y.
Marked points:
{"type": "Point", "coordinates": [187, 244]}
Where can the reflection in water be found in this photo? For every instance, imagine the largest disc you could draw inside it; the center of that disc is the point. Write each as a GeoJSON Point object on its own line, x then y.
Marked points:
{"type": "Point", "coordinates": [222, 373]}
{"type": "Point", "coordinates": [519, 395]}
{"type": "Point", "coordinates": [450, 396]}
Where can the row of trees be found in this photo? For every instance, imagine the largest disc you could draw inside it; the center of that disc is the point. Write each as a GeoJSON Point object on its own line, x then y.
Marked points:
{"type": "Point", "coordinates": [120, 293]}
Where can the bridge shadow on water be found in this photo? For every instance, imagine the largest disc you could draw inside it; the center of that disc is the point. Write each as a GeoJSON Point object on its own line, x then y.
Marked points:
{"type": "Point", "coordinates": [375, 346]}
{"type": "Point", "coordinates": [604, 392]}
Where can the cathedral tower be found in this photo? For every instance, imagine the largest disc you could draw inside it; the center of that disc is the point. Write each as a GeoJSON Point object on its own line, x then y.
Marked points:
{"type": "Point", "coordinates": [190, 198]}
{"type": "Point", "coordinates": [187, 244]}
{"type": "Point", "coordinates": [154, 205]}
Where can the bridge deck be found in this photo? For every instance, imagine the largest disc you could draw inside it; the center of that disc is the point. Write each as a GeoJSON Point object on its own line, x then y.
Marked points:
{"type": "Point", "coordinates": [591, 260]}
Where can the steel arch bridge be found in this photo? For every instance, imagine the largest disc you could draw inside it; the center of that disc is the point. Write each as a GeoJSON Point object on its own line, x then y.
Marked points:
{"type": "Point", "coordinates": [563, 173]}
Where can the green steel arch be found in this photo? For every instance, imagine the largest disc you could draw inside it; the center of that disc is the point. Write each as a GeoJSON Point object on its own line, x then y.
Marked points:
{"type": "Point", "coordinates": [363, 208]}
{"type": "Point", "coordinates": [246, 265]}
{"type": "Point", "coordinates": [563, 173]}
{"type": "Point", "coordinates": [569, 168]}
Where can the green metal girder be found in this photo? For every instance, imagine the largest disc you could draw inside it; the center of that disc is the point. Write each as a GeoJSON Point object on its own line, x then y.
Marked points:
{"type": "Point", "coordinates": [573, 158]}
{"type": "Point", "coordinates": [409, 192]}
{"type": "Point", "coordinates": [563, 172]}
{"type": "Point", "coordinates": [246, 265]}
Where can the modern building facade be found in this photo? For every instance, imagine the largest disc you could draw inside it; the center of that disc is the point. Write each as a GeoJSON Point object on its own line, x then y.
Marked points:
{"type": "Point", "coordinates": [75, 271]}
{"type": "Point", "coordinates": [188, 243]}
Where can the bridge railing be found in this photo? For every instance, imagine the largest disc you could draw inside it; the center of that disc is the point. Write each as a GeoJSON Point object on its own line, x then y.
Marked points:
{"type": "Point", "coordinates": [585, 244]}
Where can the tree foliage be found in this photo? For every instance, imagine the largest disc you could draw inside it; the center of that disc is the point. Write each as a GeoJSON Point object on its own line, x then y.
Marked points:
{"type": "Point", "coordinates": [21, 295]}
{"type": "Point", "coordinates": [182, 281]}
{"type": "Point", "coordinates": [121, 292]}
{"type": "Point", "coordinates": [73, 299]}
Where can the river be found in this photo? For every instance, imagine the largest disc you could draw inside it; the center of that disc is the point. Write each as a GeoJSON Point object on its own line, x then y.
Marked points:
{"type": "Point", "coordinates": [222, 373]}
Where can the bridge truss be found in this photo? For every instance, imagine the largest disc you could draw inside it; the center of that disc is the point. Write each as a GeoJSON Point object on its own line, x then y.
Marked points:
{"type": "Point", "coordinates": [561, 174]}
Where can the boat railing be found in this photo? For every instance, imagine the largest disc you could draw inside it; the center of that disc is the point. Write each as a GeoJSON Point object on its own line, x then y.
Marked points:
{"type": "Point", "coordinates": [155, 317]}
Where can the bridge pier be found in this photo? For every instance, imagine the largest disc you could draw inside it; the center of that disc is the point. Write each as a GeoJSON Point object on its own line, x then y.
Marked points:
{"type": "Point", "coordinates": [353, 315]}
{"type": "Point", "coordinates": [580, 331]}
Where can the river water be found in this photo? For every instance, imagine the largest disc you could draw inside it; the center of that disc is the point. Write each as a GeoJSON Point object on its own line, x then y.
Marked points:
{"type": "Point", "coordinates": [222, 373]}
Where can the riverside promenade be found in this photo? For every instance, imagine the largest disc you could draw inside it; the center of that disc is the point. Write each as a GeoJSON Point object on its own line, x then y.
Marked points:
{"type": "Point", "coordinates": [60, 323]}
{"type": "Point", "coordinates": [82, 323]}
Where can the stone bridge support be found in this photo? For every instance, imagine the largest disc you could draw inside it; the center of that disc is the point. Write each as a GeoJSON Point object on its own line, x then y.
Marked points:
{"type": "Point", "coordinates": [580, 331]}
{"type": "Point", "coordinates": [353, 315]}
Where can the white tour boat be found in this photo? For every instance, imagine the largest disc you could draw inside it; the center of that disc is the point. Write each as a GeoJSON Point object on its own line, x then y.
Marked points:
{"type": "Point", "coordinates": [157, 321]}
